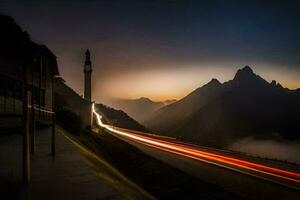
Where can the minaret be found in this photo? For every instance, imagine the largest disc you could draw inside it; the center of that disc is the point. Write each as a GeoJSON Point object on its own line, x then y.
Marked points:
{"type": "Point", "coordinates": [88, 88]}
{"type": "Point", "coordinates": [87, 76]}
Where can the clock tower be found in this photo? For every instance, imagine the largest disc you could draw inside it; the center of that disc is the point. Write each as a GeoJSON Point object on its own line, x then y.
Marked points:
{"type": "Point", "coordinates": [88, 76]}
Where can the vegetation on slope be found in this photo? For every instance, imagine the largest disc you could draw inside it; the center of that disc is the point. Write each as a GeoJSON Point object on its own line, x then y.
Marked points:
{"type": "Point", "coordinates": [118, 118]}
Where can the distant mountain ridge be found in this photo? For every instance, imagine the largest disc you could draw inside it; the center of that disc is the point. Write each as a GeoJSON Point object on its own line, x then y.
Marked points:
{"type": "Point", "coordinates": [141, 108]}
{"type": "Point", "coordinates": [171, 115]}
{"type": "Point", "coordinates": [216, 113]}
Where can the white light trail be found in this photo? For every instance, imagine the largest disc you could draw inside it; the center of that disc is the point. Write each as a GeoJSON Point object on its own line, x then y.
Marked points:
{"type": "Point", "coordinates": [203, 156]}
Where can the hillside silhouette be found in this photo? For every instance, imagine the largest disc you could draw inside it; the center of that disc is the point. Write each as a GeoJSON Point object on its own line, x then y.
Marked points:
{"type": "Point", "coordinates": [118, 118]}
{"type": "Point", "coordinates": [14, 41]}
{"type": "Point", "coordinates": [216, 113]}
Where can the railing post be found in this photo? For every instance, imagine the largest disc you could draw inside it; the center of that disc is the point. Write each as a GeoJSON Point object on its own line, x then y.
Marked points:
{"type": "Point", "coordinates": [5, 93]}
{"type": "Point", "coordinates": [53, 135]}
{"type": "Point", "coordinates": [25, 129]}
{"type": "Point", "coordinates": [14, 97]}
{"type": "Point", "coordinates": [33, 127]}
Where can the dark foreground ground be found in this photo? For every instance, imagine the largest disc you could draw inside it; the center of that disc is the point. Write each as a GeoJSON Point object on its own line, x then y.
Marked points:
{"type": "Point", "coordinates": [63, 177]}
{"type": "Point", "coordinates": [97, 165]}
{"type": "Point", "coordinates": [156, 177]}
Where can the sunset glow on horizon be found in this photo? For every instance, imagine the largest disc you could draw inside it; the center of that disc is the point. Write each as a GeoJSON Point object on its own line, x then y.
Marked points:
{"type": "Point", "coordinates": [136, 54]}
{"type": "Point", "coordinates": [167, 84]}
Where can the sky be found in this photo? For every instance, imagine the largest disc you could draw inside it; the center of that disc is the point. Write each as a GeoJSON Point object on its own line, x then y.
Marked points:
{"type": "Point", "coordinates": [164, 49]}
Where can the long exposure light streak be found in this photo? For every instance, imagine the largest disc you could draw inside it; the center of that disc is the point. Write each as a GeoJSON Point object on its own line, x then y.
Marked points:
{"type": "Point", "coordinates": [284, 177]}
{"type": "Point", "coordinates": [193, 149]}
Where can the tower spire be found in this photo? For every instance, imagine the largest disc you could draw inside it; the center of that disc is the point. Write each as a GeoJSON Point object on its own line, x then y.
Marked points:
{"type": "Point", "coordinates": [88, 86]}
{"type": "Point", "coordinates": [87, 76]}
{"type": "Point", "coordinates": [87, 57]}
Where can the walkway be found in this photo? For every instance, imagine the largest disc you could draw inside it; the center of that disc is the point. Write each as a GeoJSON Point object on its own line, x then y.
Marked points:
{"type": "Point", "coordinates": [65, 176]}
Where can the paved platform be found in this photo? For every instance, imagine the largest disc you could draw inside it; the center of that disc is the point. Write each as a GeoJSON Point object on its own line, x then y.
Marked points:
{"type": "Point", "coordinates": [65, 176]}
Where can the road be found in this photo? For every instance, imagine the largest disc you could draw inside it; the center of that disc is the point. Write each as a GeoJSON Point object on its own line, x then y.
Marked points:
{"type": "Point", "coordinates": [254, 180]}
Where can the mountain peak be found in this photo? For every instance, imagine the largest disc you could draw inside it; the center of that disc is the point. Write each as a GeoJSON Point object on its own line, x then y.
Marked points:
{"type": "Point", "coordinates": [273, 84]}
{"type": "Point", "coordinates": [246, 76]}
{"type": "Point", "coordinates": [214, 81]}
{"type": "Point", "coordinates": [144, 99]}
{"type": "Point", "coordinates": [245, 73]}
{"type": "Point", "coordinates": [247, 69]}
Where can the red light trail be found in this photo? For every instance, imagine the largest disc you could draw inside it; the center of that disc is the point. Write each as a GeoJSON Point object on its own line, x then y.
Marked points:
{"type": "Point", "coordinates": [280, 176]}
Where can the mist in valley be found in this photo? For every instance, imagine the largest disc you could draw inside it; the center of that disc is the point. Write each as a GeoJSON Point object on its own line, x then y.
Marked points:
{"type": "Point", "coordinates": [272, 149]}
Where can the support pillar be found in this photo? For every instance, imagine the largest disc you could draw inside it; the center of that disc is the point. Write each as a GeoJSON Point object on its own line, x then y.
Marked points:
{"type": "Point", "coordinates": [25, 129]}
{"type": "Point", "coordinates": [53, 135]}
{"type": "Point", "coordinates": [33, 127]}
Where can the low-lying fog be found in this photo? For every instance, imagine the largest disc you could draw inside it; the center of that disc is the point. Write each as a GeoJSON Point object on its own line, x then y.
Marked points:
{"type": "Point", "coordinates": [286, 151]}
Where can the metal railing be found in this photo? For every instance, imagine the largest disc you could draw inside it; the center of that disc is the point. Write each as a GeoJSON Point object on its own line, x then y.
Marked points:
{"type": "Point", "coordinates": [42, 113]}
